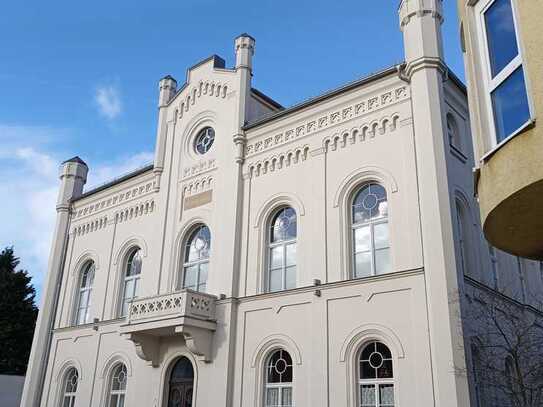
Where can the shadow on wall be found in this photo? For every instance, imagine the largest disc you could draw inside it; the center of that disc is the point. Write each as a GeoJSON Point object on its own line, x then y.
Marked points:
{"type": "Point", "coordinates": [11, 388]}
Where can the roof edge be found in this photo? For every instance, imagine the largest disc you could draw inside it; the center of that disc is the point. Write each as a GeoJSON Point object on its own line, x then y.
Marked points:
{"type": "Point", "coordinates": [114, 182]}
{"type": "Point", "coordinates": [324, 96]}
{"type": "Point", "coordinates": [267, 99]}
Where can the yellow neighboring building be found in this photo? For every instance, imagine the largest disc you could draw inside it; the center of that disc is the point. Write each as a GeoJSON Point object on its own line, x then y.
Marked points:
{"type": "Point", "coordinates": [503, 45]}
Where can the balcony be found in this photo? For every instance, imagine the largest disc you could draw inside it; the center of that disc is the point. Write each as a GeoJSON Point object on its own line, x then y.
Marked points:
{"type": "Point", "coordinates": [187, 314]}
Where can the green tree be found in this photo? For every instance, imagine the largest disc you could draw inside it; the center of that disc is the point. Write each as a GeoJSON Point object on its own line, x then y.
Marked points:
{"type": "Point", "coordinates": [18, 314]}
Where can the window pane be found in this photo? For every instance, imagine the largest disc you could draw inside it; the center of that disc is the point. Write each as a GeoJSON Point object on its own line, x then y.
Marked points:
{"type": "Point", "coordinates": [67, 401]}
{"type": "Point", "coordinates": [380, 235]}
{"type": "Point", "coordinates": [382, 261]}
{"type": "Point", "coordinates": [367, 396]}
{"type": "Point", "coordinates": [276, 257]}
{"type": "Point", "coordinates": [113, 402]}
{"type": "Point", "coordinates": [363, 264]}
{"type": "Point", "coordinates": [290, 277]}
{"type": "Point", "coordinates": [291, 255]}
{"type": "Point", "coordinates": [385, 371]}
{"type": "Point", "coordinates": [362, 241]}
{"type": "Point", "coordinates": [202, 278]}
{"type": "Point", "coordinates": [121, 400]}
{"type": "Point", "coordinates": [386, 395]}
{"type": "Point", "coordinates": [275, 281]}
{"type": "Point", "coordinates": [366, 371]}
{"type": "Point", "coordinates": [129, 289]}
{"type": "Point", "coordinates": [286, 399]}
{"type": "Point", "coordinates": [272, 397]}
{"type": "Point", "coordinates": [500, 32]}
{"type": "Point", "coordinates": [510, 105]}
{"type": "Point", "coordinates": [191, 276]}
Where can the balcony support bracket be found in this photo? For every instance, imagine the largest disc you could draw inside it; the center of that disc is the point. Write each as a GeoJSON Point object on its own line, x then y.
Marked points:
{"type": "Point", "coordinates": [198, 340]}
{"type": "Point", "coordinates": [147, 347]}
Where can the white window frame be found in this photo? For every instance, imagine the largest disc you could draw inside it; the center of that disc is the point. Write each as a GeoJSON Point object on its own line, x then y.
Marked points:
{"type": "Point", "coordinates": [282, 243]}
{"type": "Point", "coordinates": [120, 392]}
{"type": "Point", "coordinates": [374, 382]}
{"type": "Point", "coordinates": [371, 224]}
{"type": "Point", "coordinates": [279, 386]}
{"type": "Point", "coordinates": [490, 84]}
{"type": "Point", "coordinates": [126, 279]}
{"type": "Point", "coordinates": [80, 291]}
{"type": "Point", "coordinates": [199, 262]}
{"type": "Point", "coordinates": [71, 396]}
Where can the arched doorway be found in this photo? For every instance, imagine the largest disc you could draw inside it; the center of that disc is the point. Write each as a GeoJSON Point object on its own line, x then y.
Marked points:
{"type": "Point", "coordinates": [181, 384]}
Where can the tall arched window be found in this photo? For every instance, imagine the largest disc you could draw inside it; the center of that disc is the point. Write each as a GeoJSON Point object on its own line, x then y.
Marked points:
{"type": "Point", "coordinates": [117, 386]}
{"type": "Point", "coordinates": [375, 376]}
{"type": "Point", "coordinates": [281, 270]}
{"type": "Point", "coordinates": [464, 238]}
{"type": "Point", "coordinates": [278, 380]}
{"type": "Point", "coordinates": [84, 294]}
{"type": "Point", "coordinates": [131, 281]}
{"type": "Point", "coordinates": [69, 388]}
{"type": "Point", "coordinates": [181, 384]}
{"type": "Point", "coordinates": [196, 259]}
{"type": "Point", "coordinates": [370, 236]}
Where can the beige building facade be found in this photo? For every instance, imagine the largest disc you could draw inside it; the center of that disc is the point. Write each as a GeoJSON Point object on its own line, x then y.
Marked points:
{"type": "Point", "coordinates": [315, 255]}
{"type": "Point", "coordinates": [502, 42]}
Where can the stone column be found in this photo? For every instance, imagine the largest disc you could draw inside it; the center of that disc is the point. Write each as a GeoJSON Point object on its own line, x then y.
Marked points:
{"type": "Point", "coordinates": [73, 175]}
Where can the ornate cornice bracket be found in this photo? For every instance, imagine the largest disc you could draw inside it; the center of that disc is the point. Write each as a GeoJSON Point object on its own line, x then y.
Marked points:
{"type": "Point", "coordinates": [425, 63]}
{"type": "Point", "coordinates": [198, 341]}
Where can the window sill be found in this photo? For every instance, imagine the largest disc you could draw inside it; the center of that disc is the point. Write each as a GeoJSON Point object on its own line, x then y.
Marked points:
{"type": "Point", "coordinates": [528, 125]}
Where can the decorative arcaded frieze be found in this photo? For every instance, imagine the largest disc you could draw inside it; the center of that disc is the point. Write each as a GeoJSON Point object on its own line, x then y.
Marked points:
{"type": "Point", "coordinates": [362, 133]}
{"type": "Point", "coordinates": [114, 200]}
{"type": "Point", "coordinates": [204, 88]}
{"type": "Point", "coordinates": [198, 185]}
{"type": "Point", "coordinates": [198, 168]}
{"type": "Point", "coordinates": [91, 226]}
{"type": "Point", "coordinates": [278, 161]}
{"type": "Point", "coordinates": [335, 117]}
{"type": "Point", "coordinates": [135, 211]}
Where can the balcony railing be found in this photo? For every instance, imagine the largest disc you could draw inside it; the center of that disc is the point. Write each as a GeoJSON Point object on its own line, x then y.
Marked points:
{"type": "Point", "coordinates": [186, 313]}
{"type": "Point", "coordinates": [182, 303]}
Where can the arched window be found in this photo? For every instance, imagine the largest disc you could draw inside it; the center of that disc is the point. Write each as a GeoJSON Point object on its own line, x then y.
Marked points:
{"type": "Point", "coordinates": [453, 132]}
{"type": "Point", "coordinates": [370, 236]}
{"type": "Point", "coordinates": [281, 270]}
{"type": "Point", "coordinates": [84, 294]}
{"type": "Point", "coordinates": [376, 376]}
{"type": "Point", "coordinates": [69, 387]}
{"type": "Point", "coordinates": [132, 274]}
{"type": "Point", "coordinates": [464, 238]}
{"type": "Point", "coordinates": [196, 259]}
{"type": "Point", "coordinates": [117, 386]}
{"type": "Point", "coordinates": [278, 380]}
{"type": "Point", "coordinates": [181, 384]}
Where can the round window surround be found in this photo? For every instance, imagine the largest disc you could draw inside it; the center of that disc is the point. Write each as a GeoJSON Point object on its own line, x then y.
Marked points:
{"type": "Point", "coordinates": [204, 140]}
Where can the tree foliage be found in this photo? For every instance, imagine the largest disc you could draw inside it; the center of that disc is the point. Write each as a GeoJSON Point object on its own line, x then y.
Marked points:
{"type": "Point", "coordinates": [18, 314]}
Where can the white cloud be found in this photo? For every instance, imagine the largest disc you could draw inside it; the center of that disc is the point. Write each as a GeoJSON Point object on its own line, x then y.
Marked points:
{"type": "Point", "coordinates": [29, 190]}
{"type": "Point", "coordinates": [108, 101]}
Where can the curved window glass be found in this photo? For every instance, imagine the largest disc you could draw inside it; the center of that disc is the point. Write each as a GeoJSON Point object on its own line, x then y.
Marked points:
{"type": "Point", "coordinates": [196, 259]}
{"type": "Point", "coordinates": [278, 380]}
{"type": "Point", "coordinates": [281, 272]}
{"type": "Point", "coordinates": [69, 388]}
{"type": "Point", "coordinates": [376, 376]}
{"type": "Point", "coordinates": [370, 234]}
{"type": "Point", "coordinates": [181, 384]}
{"type": "Point", "coordinates": [84, 294]}
{"type": "Point", "coordinates": [117, 386]}
{"type": "Point", "coordinates": [204, 140]}
{"type": "Point", "coordinates": [131, 281]}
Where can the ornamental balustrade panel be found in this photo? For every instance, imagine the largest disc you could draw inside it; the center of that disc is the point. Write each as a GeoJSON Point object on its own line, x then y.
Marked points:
{"type": "Point", "coordinates": [185, 303]}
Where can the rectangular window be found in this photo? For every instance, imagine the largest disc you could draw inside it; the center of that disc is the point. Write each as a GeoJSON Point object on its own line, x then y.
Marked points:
{"type": "Point", "coordinates": [503, 70]}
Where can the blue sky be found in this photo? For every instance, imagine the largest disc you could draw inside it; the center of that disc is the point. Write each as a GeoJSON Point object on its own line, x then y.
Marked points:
{"type": "Point", "coordinates": [80, 78]}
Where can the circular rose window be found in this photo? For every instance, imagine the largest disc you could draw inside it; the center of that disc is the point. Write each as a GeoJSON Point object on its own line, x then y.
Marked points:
{"type": "Point", "coordinates": [204, 140]}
